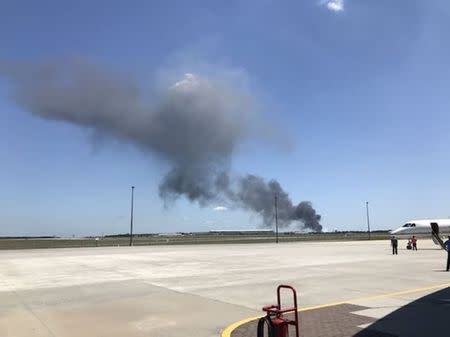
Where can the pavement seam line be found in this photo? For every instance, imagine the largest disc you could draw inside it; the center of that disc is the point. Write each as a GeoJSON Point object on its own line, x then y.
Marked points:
{"type": "Point", "coordinates": [32, 312]}
{"type": "Point", "coordinates": [229, 329]}
{"type": "Point", "coordinates": [180, 292]}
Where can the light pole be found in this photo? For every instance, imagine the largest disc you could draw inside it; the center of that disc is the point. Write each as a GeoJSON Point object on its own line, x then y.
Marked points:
{"type": "Point", "coordinates": [368, 222]}
{"type": "Point", "coordinates": [131, 220]}
{"type": "Point", "coordinates": [276, 218]}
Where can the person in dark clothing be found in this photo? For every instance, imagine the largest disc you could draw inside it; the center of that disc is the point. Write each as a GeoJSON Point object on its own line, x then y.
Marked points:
{"type": "Point", "coordinates": [394, 244]}
{"type": "Point", "coordinates": [447, 247]}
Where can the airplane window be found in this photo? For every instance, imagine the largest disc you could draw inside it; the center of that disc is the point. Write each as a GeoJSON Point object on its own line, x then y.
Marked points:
{"type": "Point", "coordinates": [406, 225]}
{"type": "Point", "coordinates": [413, 225]}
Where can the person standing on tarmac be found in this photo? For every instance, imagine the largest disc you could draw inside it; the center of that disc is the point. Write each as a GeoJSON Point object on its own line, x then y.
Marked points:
{"type": "Point", "coordinates": [394, 244]}
{"type": "Point", "coordinates": [414, 242]}
{"type": "Point", "coordinates": [447, 247]}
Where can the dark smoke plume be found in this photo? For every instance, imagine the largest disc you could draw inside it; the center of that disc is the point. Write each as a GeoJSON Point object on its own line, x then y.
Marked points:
{"type": "Point", "coordinates": [195, 124]}
{"type": "Point", "coordinates": [256, 194]}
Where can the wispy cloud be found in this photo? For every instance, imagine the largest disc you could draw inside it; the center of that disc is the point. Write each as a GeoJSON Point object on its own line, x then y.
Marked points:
{"type": "Point", "coordinates": [333, 5]}
{"type": "Point", "coordinates": [220, 208]}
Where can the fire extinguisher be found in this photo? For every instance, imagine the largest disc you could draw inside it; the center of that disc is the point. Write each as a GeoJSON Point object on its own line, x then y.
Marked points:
{"type": "Point", "coordinates": [276, 327]}
{"type": "Point", "coordinates": [277, 324]}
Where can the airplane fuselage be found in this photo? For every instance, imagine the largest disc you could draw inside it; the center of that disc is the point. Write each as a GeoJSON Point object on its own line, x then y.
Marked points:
{"type": "Point", "coordinates": [422, 228]}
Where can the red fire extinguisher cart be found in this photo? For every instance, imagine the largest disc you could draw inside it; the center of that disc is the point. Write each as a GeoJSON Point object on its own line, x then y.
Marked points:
{"type": "Point", "coordinates": [276, 320]}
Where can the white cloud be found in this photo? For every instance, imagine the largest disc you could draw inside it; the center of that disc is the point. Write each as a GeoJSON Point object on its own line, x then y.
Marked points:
{"type": "Point", "coordinates": [334, 5]}
{"type": "Point", "coordinates": [220, 208]}
{"type": "Point", "coordinates": [188, 82]}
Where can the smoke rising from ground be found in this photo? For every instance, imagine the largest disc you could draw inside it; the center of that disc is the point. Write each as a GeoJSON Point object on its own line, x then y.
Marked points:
{"type": "Point", "coordinates": [256, 194]}
{"type": "Point", "coordinates": [196, 125]}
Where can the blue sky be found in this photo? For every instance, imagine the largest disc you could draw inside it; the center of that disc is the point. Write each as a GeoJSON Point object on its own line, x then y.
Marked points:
{"type": "Point", "coordinates": [360, 87]}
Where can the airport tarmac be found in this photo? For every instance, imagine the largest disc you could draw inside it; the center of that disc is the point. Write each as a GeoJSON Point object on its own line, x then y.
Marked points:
{"type": "Point", "coordinates": [197, 291]}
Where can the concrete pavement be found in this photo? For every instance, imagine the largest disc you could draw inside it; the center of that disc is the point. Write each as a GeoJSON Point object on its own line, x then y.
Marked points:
{"type": "Point", "coordinates": [174, 291]}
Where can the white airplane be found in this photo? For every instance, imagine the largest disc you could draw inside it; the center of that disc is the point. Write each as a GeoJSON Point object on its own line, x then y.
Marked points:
{"type": "Point", "coordinates": [435, 229]}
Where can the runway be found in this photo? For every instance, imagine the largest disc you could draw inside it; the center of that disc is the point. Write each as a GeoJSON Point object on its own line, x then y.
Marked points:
{"type": "Point", "coordinates": [174, 291]}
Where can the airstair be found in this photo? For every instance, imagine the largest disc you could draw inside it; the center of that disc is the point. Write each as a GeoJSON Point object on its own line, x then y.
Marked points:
{"type": "Point", "coordinates": [435, 235]}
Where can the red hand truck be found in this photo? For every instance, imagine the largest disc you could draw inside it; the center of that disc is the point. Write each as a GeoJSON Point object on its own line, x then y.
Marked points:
{"type": "Point", "coordinates": [277, 324]}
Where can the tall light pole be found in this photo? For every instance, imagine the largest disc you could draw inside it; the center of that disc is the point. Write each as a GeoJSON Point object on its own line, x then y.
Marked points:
{"type": "Point", "coordinates": [276, 217]}
{"type": "Point", "coordinates": [368, 222]}
{"type": "Point", "coordinates": [131, 220]}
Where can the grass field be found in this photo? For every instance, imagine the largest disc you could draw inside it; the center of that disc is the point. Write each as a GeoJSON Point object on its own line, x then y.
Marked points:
{"type": "Point", "coordinates": [147, 240]}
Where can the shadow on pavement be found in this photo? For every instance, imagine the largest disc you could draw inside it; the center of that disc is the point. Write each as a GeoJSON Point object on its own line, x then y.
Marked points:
{"type": "Point", "coordinates": [427, 316]}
